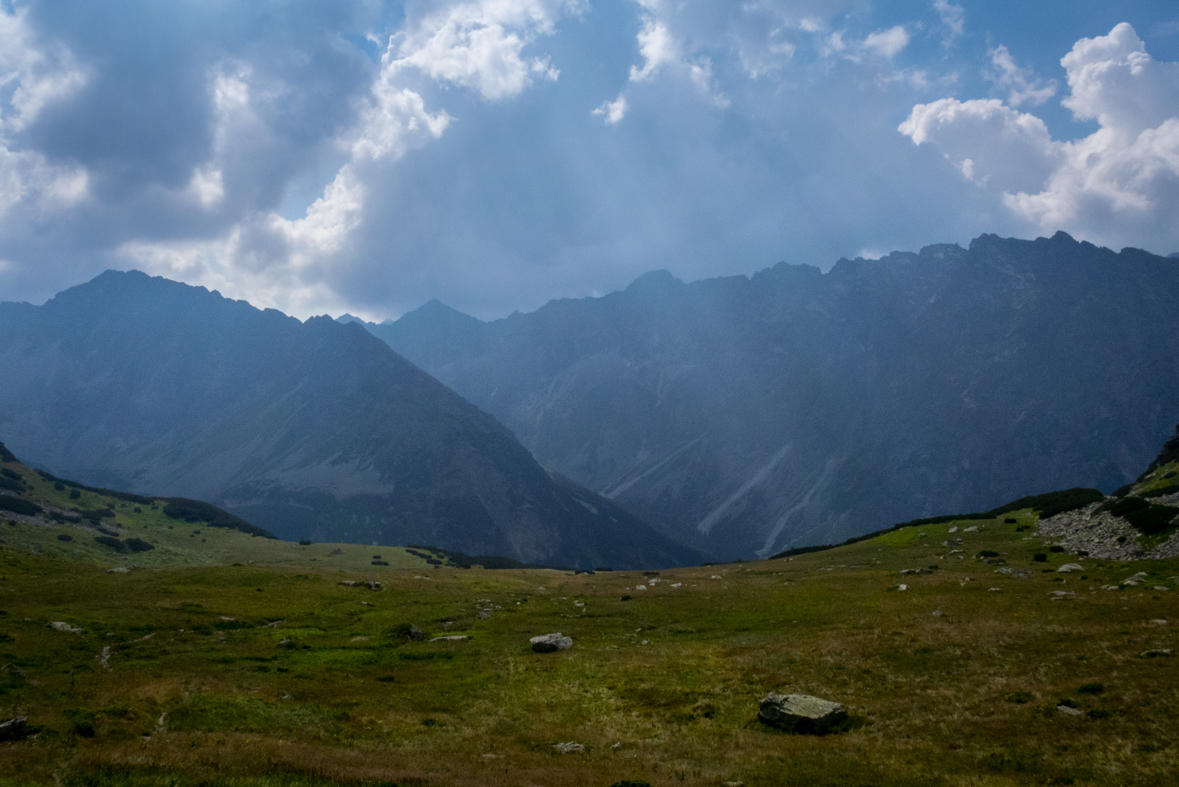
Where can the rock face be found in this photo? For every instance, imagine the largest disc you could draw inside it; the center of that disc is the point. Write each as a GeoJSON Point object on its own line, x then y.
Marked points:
{"type": "Point", "coordinates": [549, 643]}
{"type": "Point", "coordinates": [1102, 535]}
{"type": "Point", "coordinates": [793, 407]}
{"type": "Point", "coordinates": [313, 430]}
{"type": "Point", "coordinates": [801, 713]}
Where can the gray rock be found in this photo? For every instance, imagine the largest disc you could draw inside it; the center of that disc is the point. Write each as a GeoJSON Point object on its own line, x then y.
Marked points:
{"type": "Point", "coordinates": [568, 748]}
{"type": "Point", "coordinates": [1065, 710]}
{"type": "Point", "coordinates": [14, 729]}
{"type": "Point", "coordinates": [452, 638]}
{"type": "Point", "coordinates": [801, 713]}
{"type": "Point", "coordinates": [58, 625]}
{"type": "Point", "coordinates": [372, 584]}
{"type": "Point", "coordinates": [118, 570]}
{"type": "Point", "coordinates": [548, 643]}
{"type": "Point", "coordinates": [1155, 653]}
{"type": "Point", "coordinates": [1067, 567]}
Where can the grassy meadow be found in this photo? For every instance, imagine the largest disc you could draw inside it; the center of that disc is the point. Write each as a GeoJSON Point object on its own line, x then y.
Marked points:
{"type": "Point", "coordinates": [273, 673]}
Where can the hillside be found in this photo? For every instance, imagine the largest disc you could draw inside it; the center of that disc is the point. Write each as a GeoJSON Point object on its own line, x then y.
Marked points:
{"type": "Point", "coordinates": [965, 663]}
{"type": "Point", "coordinates": [749, 415]}
{"type": "Point", "coordinates": [310, 430]}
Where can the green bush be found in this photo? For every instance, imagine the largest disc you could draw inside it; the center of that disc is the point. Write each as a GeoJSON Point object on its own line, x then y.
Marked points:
{"type": "Point", "coordinates": [8, 483]}
{"type": "Point", "coordinates": [1055, 548]}
{"type": "Point", "coordinates": [304, 542]}
{"type": "Point", "coordinates": [192, 511]}
{"type": "Point", "coordinates": [1091, 688]}
{"type": "Point", "coordinates": [138, 545]}
{"type": "Point", "coordinates": [18, 505]}
{"type": "Point", "coordinates": [1054, 503]}
{"type": "Point", "coordinates": [64, 537]}
{"type": "Point", "coordinates": [1019, 697]}
{"type": "Point", "coordinates": [1040, 557]}
{"type": "Point", "coordinates": [113, 543]}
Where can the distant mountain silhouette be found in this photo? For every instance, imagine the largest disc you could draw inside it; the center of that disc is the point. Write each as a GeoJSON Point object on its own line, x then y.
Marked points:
{"type": "Point", "coordinates": [310, 430]}
{"type": "Point", "coordinates": [748, 415]}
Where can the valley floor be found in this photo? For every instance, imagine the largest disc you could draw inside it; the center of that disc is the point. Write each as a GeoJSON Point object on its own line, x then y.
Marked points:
{"type": "Point", "coordinates": [273, 675]}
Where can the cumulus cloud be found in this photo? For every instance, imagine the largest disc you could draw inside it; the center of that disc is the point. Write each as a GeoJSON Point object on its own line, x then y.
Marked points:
{"type": "Point", "coordinates": [480, 45]}
{"type": "Point", "coordinates": [35, 76]}
{"type": "Point", "coordinates": [1120, 184]}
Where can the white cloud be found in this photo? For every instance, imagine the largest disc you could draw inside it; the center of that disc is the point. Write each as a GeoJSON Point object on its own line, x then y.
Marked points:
{"type": "Point", "coordinates": [887, 43]}
{"type": "Point", "coordinates": [658, 48]}
{"type": "Point", "coordinates": [1119, 185]}
{"type": "Point", "coordinates": [953, 19]}
{"type": "Point", "coordinates": [1022, 83]}
{"type": "Point", "coordinates": [480, 45]}
{"type": "Point", "coordinates": [612, 111]}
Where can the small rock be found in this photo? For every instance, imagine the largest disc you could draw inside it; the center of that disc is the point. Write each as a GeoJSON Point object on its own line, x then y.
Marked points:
{"type": "Point", "coordinates": [1061, 595]}
{"type": "Point", "coordinates": [1155, 653]}
{"type": "Point", "coordinates": [640, 587]}
{"type": "Point", "coordinates": [58, 625]}
{"type": "Point", "coordinates": [716, 576]}
{"type": "Point", "coordinates": [349, 583]}
{"type": "Point", "coordinates": [1067, 567]}
{"type": "Point", "coordinates": [452, 638]}
{"type": "Point", "coordinates": [902, 587]}
{"type": "Point", "coordinates": [954, 529]}
{"type": "Point", "coordinates": [937, 613]}
{"type": "Point", "coordinates": [800, 713]}
{"type": "Point", "coordinates": [1160, 587]}
{"type": "Point", "coordinates": [971, 529]}
{"type": "Point", "coordinates": [372, 584]}
{"type": "Point", "coordinates": [995, 590]}
{"type": "Point", "coordinates": [549, 643]}
{"type": "Point", "coordinates": [359, 639]}
{"type": "Point", "coordinates": [677, 584]}
{"type": "Point", "coordinates": [1156, 622]}
{"type": "Point", "coordinates": [118, 570]}
{"type": "Point", "coordinates": [569, 748]}
{"type": "Point", "coordinates": [1065, 710]}
{"type": "Point", "coordinates": [14, 729]}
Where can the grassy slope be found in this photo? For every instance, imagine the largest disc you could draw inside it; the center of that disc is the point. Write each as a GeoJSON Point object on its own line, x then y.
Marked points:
{"type": "Point", "coordinates": [177, 543]}
{"type": "Point", "coordinates": [671, 676]}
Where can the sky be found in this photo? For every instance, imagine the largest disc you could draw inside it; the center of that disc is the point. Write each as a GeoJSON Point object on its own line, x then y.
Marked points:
{"type": "Point", "coordinates": [359, 156]}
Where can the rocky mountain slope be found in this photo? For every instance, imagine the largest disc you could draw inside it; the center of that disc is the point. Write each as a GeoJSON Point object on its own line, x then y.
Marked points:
{"type": "Point", "coordinates": [310, 430]}
{"type": "Point", "coordinates": [749, 415]}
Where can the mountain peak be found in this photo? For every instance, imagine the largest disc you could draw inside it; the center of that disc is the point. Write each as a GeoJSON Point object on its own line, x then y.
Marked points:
{"type": "Point", "coordinates": [655, 280]}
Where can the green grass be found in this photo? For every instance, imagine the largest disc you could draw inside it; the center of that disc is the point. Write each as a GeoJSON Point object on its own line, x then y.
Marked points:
{"type": "Point", "coordinates": [308, 686]}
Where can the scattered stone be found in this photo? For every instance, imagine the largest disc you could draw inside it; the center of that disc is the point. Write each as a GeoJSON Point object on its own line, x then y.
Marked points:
{"type": "Point", "coordinates": [58, 625]}
{"type": "Point", "coordinates": [1023, 573]}
{"type": "Point", "coordinates": [14, 729]}
{"type": "Point", "coordinates": [1065, 710]}
{"type": "Point", "coordinates": [1062, 595]}
{"type": "Point", "coordinates": [568, 748]}
{"type": "Point", "coordinates": [677, 584]}
{"type": "Point", "coordinates": [640, 587]}
{"type": "Point", "coordinates": [1156, 622]}
{"type": "Point", "coordinates": [550, 643]}
{"type": "Point", "coordinates": [801, 713]}
{"type": "Point", "coordinates": [351, 583]}
{"type": "Point", "coordinates": [227, 619]}
{"type": "Point", "coordinates": [1135, 580]}
{"type": "Point", "coordinates": [452, 638]}
{"type": "Point", "coordinates": [372, 584]}
{"type": "Point", "coordinates": [1160, 587]}
{"type": "Point", "coordinates": [937, 613]}
{"type": "Point", "coordinates": [971, 529]}
{"type": "Point", "coordinates": [359, 639]}
{"type": "Point", "coordinates": [1155, 653]}
{"type": "Point", "coordinates": [716, 576]}
{"type": "Point", "coordinates": [104, 659]}
{"type": "Point", "coordinates": [118, 570]}
{"type": "Point", "coordinates": [902, 587]}
{"type": "Point", "coordinates": [954, 529]}
{"type": "Point", "coordinates": [994, 590]}
{"type": "Point", "coordinates": [1067, 567]}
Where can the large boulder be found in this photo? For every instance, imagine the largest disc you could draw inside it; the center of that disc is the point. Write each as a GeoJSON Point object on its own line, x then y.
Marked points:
{"type": "Point", "coordinates": [801, 713]}
{"type": "Point", "coordinates": [14, 729]}
{"type": "Point", "coordinates": [549, 643]}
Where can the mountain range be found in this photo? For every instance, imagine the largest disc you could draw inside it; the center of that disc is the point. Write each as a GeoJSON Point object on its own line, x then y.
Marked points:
{"type": "Point", "coordinates": [308, 429]}
{"type": "Point", "coordinates": [747, 415]}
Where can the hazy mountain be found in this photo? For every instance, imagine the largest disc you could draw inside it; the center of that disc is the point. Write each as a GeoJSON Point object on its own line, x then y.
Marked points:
{"type": "Point", "coordinates": [747, 415]}
{"type": "Point", "coordinates": [312, 429]}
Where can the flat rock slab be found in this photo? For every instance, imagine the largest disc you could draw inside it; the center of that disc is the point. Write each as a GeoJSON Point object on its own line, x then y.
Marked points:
{"type": "Point", "coordinates": [801, 713]}
{"type": "Point", "coordinates": [452, 638]}
{"type": "Point", "coordinates": [549, 643]}
{"type": "Point", "coordinates": [569, 748]}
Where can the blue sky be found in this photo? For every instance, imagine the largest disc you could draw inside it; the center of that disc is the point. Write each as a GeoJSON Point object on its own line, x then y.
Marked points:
{"type": "Point", "coordinates": [366, 157]}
